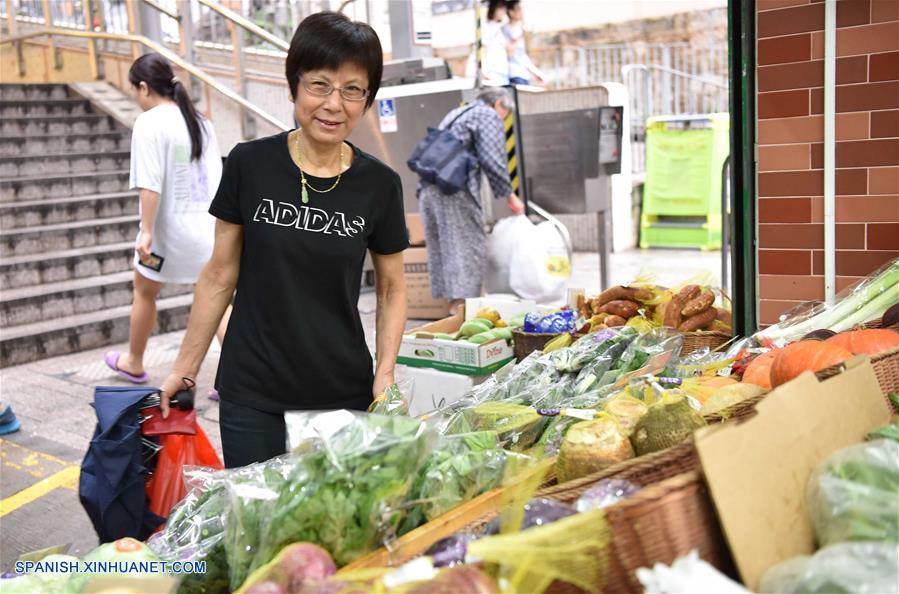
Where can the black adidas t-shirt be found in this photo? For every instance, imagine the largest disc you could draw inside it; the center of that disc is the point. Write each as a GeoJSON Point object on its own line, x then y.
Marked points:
{"type": "Point", "coordinates": [295, 339]}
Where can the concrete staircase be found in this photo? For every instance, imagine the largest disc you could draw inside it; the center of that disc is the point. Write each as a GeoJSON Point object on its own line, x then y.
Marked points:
{"type": "Point", "coordinates": [67, 227]}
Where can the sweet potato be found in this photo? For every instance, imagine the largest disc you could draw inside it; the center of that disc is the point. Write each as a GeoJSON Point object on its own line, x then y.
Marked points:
{"type": "Point", "coordinates": [699, 321]}
{"type": "Point", "coordinates": [671, 316]}
{"type": "Point", "coordinates": [613, 321]}
{"type": "Point", "coordinates": [583, 306]}
{"type": "Point", "coordinates": [612, 294]}
{"type": "Point", "coordinates": [698, 304]}
{"type": "Point", "coordinates": [621, 307]}
{"type": "Point", "coordinates": [687, 293]}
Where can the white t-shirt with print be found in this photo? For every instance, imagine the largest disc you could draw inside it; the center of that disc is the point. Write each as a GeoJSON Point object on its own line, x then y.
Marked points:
{"type": "Point", "coordinates": [183, 231]}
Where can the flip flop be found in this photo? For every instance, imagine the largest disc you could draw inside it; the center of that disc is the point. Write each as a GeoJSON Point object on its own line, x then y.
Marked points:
{"type": "Point", "coordinates": [112, 361]}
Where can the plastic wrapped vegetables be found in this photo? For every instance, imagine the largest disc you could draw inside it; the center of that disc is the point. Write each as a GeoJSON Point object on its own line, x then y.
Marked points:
{"type": "Point", "coordinates": [460, 468]}
{"type": "Point", "coordinates": [252, 493]}
{"type": "Point", "coordinates": [346, 491]}
{"type": "Point", "coordinates": [843, 568]}
{"type": "Point", "coordinates": [854, 494]}
{"type": "Point", "coordinates": [195, 531]}
{"type": "Point", "coordinates": [394, 400]}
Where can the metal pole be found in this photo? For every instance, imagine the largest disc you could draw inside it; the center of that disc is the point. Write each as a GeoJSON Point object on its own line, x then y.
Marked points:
{"type": "Point", "coordinates": [91, 43]}
{"type": "Point", "coordinates": [134, 27]}
{"type": "Point", "coordinates": [48, 22]}
{"type": "Point", "coordinates": [247, 125]}
{"type": "Point", "coordinates": [478, 45]}
{"type": "Point", "coordinates": [186, 32]}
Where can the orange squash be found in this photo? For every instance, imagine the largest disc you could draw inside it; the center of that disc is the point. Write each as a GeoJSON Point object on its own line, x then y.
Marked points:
{"type": "Point", "coordinates": [866, 342]}
{"type": "Point", "coordinates": [758, 371]}
{"type": "Point", "coordinates": [805, 355]}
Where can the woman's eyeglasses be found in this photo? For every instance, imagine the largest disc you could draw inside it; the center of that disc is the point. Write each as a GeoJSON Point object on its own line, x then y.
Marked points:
{"type": "Point", "coordinates": [322, 88]}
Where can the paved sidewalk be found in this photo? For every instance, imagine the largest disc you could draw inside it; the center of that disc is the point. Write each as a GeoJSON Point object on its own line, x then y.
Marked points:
{"type": "Point", "coordinates": [39, 504]}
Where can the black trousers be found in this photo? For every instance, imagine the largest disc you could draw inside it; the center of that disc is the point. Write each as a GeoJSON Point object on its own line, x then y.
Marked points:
{"type": "Point", "coordinates": [250, 435]}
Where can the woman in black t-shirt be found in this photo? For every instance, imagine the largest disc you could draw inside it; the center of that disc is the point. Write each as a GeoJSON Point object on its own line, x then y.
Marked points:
{"type": "Point", "coordinates": [296, 214]}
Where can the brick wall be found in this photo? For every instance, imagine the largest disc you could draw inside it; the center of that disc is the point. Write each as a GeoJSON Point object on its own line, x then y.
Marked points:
{"type": "Point", "coordinates": [790, 128]}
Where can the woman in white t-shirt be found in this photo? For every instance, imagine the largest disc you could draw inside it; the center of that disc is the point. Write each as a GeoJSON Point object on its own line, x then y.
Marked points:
{"type": "Point", "coordinates": [176, 166]}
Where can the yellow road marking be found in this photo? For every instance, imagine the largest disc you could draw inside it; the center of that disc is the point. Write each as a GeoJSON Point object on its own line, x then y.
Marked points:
{"type": "Point", "coordinates": [67, 478]}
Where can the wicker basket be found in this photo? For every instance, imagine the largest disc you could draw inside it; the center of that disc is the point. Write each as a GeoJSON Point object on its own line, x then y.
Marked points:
{"type": "Point", "coordinates": [693, 341]}
{"type": "Point", "coordinates": [886, 368]}
{"type": "Point", "coordinates": [671, 516]}
{"type": "Point", "coordinates": [526, 343]}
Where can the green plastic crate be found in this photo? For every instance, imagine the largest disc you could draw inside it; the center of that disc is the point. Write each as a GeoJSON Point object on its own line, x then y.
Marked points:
{"type": "Point", "coordinates": [684, 160]}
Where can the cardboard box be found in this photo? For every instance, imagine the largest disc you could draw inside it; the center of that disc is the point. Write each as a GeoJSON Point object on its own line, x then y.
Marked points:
{"type": "Point", "coordinates": [757, 471]}
{"type": "Point", "coordinates": [460, 356]}
{"type": "Point", "coordinates": [420, 304]}
{"type": "Point", "coordinates": [416, 229]}
{"type": "Point", "coordinates": [433, 389]}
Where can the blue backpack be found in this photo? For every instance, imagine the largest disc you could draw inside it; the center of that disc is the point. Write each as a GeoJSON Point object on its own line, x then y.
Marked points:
{"type": "Point", "coordinates": [440, 158]}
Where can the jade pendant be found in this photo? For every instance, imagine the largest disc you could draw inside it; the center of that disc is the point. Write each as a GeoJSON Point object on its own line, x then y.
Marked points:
{"type": "Point", "coordinates": [304, 195]}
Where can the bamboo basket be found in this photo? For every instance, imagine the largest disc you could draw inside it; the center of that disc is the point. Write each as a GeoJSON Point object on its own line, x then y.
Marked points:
{"type": "Point", "coordinates": [886, 368]}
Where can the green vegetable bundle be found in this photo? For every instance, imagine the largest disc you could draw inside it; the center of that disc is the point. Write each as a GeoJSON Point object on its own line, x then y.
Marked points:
{"type": "Point", "coordinates": [854, 494]}
{"type": "Point", "coordinates": [346, 491]}
{"type": "Point", "coordinates": [460, 468]}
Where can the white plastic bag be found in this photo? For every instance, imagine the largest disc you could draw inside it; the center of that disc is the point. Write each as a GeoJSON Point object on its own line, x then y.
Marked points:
{"type": "Point", "coordinates": [541, 263]}
{"type": "Point", "coordinates": [506, 234]}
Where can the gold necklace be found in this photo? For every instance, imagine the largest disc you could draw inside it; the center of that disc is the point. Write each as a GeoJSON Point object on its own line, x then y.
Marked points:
{"type": "Point", "coordinates": [304, 195]}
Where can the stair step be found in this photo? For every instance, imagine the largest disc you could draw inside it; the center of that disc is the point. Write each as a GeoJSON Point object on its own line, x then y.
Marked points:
{"type": "Point", "coordinates": [52, 338]}
{"type": "Point", "coordinates": [29, 305]}
{"type": "Point", "coordinates": [52, 238]}
{"type": "Point", "coordinates": [61, 163]}
{"type": "Point", "coordinates": [48, 267]}
{"type": "Point", "coordinates": [57, 125]}
{"type": "Point", "coordinates": [18, 108]}
{"type": "Point", "coordinates": [32, 213]}
{"type": "Point", "coordinates": [75, 184]}
{"type": "Point", "coordinates": [14, 91]}
{"type": "Point", "coordinates": [36, 145]}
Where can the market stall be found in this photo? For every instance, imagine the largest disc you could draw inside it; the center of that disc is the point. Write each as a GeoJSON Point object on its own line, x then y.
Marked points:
{"type": "Point", "coordinates": [635, 432]}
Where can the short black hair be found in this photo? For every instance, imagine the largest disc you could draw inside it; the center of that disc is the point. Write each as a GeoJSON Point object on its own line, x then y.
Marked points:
{"type": "Point", "coordinates": [493, 6]}
{"type": "Point", "coordinates": [329, 40]}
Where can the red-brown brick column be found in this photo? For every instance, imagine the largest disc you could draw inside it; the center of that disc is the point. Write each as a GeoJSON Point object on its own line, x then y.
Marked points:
{"type": "Point", "coordinates": [790, 79]}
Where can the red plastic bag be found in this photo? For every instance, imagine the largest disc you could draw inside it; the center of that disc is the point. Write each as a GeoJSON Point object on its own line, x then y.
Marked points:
{"type": "Point", "coordinates": [165, 487]}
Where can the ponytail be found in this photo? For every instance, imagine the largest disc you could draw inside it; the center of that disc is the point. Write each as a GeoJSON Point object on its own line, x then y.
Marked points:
{"type": "Point", "coordinates": [191, 118]}
{"type": "Point", "coordinates": [154, 70]}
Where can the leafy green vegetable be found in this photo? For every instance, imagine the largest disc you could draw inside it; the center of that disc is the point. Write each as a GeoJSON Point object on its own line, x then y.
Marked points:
{"type": "Point", "coordinates": [346, 493]}
{"type": "Point", "coordinates": [854, 494]}
{"type": "Point", "coordinates": [460, 468]}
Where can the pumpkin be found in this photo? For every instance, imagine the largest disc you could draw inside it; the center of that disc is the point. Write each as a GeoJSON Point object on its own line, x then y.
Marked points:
{"type": "Point", "coordinates": [866, 342]}
{"type": "Point", "coordinates": [805, 355]}
{"type": "Point", "coordinates": [758, 371]}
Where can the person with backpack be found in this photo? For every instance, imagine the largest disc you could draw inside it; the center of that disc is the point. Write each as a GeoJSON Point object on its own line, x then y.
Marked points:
{"type": "Point", "coordinates": [454, 222]}
{"type": "Point", "coordinates": [176, 167]}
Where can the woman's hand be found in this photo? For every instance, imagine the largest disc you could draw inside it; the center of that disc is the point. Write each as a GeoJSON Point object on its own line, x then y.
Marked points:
{"type": "Point", "coordinates": [515, 204]}
{"type": "Point", "coordinates": [144, 241]}
{"type": "Point", "coordinates": [173, 384]}
{"type": "Point", "coordinates": [381, 383]}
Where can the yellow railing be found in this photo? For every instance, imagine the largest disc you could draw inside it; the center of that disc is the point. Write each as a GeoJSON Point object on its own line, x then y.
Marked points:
{"type": "Point", "coordinates": [169, 55]}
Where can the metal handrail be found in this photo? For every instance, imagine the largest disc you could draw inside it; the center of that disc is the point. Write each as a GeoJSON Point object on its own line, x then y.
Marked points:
{"type": "Point", "coordinates": [168, 54]}
{"type": "Point", "coordinates": [245, 24]}
{"type": "Point", "coordinates": [628, 68]}
{"type": "Point", "coordinates": [163, 9]}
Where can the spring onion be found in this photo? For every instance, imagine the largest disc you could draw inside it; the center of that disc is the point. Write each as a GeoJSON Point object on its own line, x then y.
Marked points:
{"type": "Point", "coordinates": [864, 303]}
